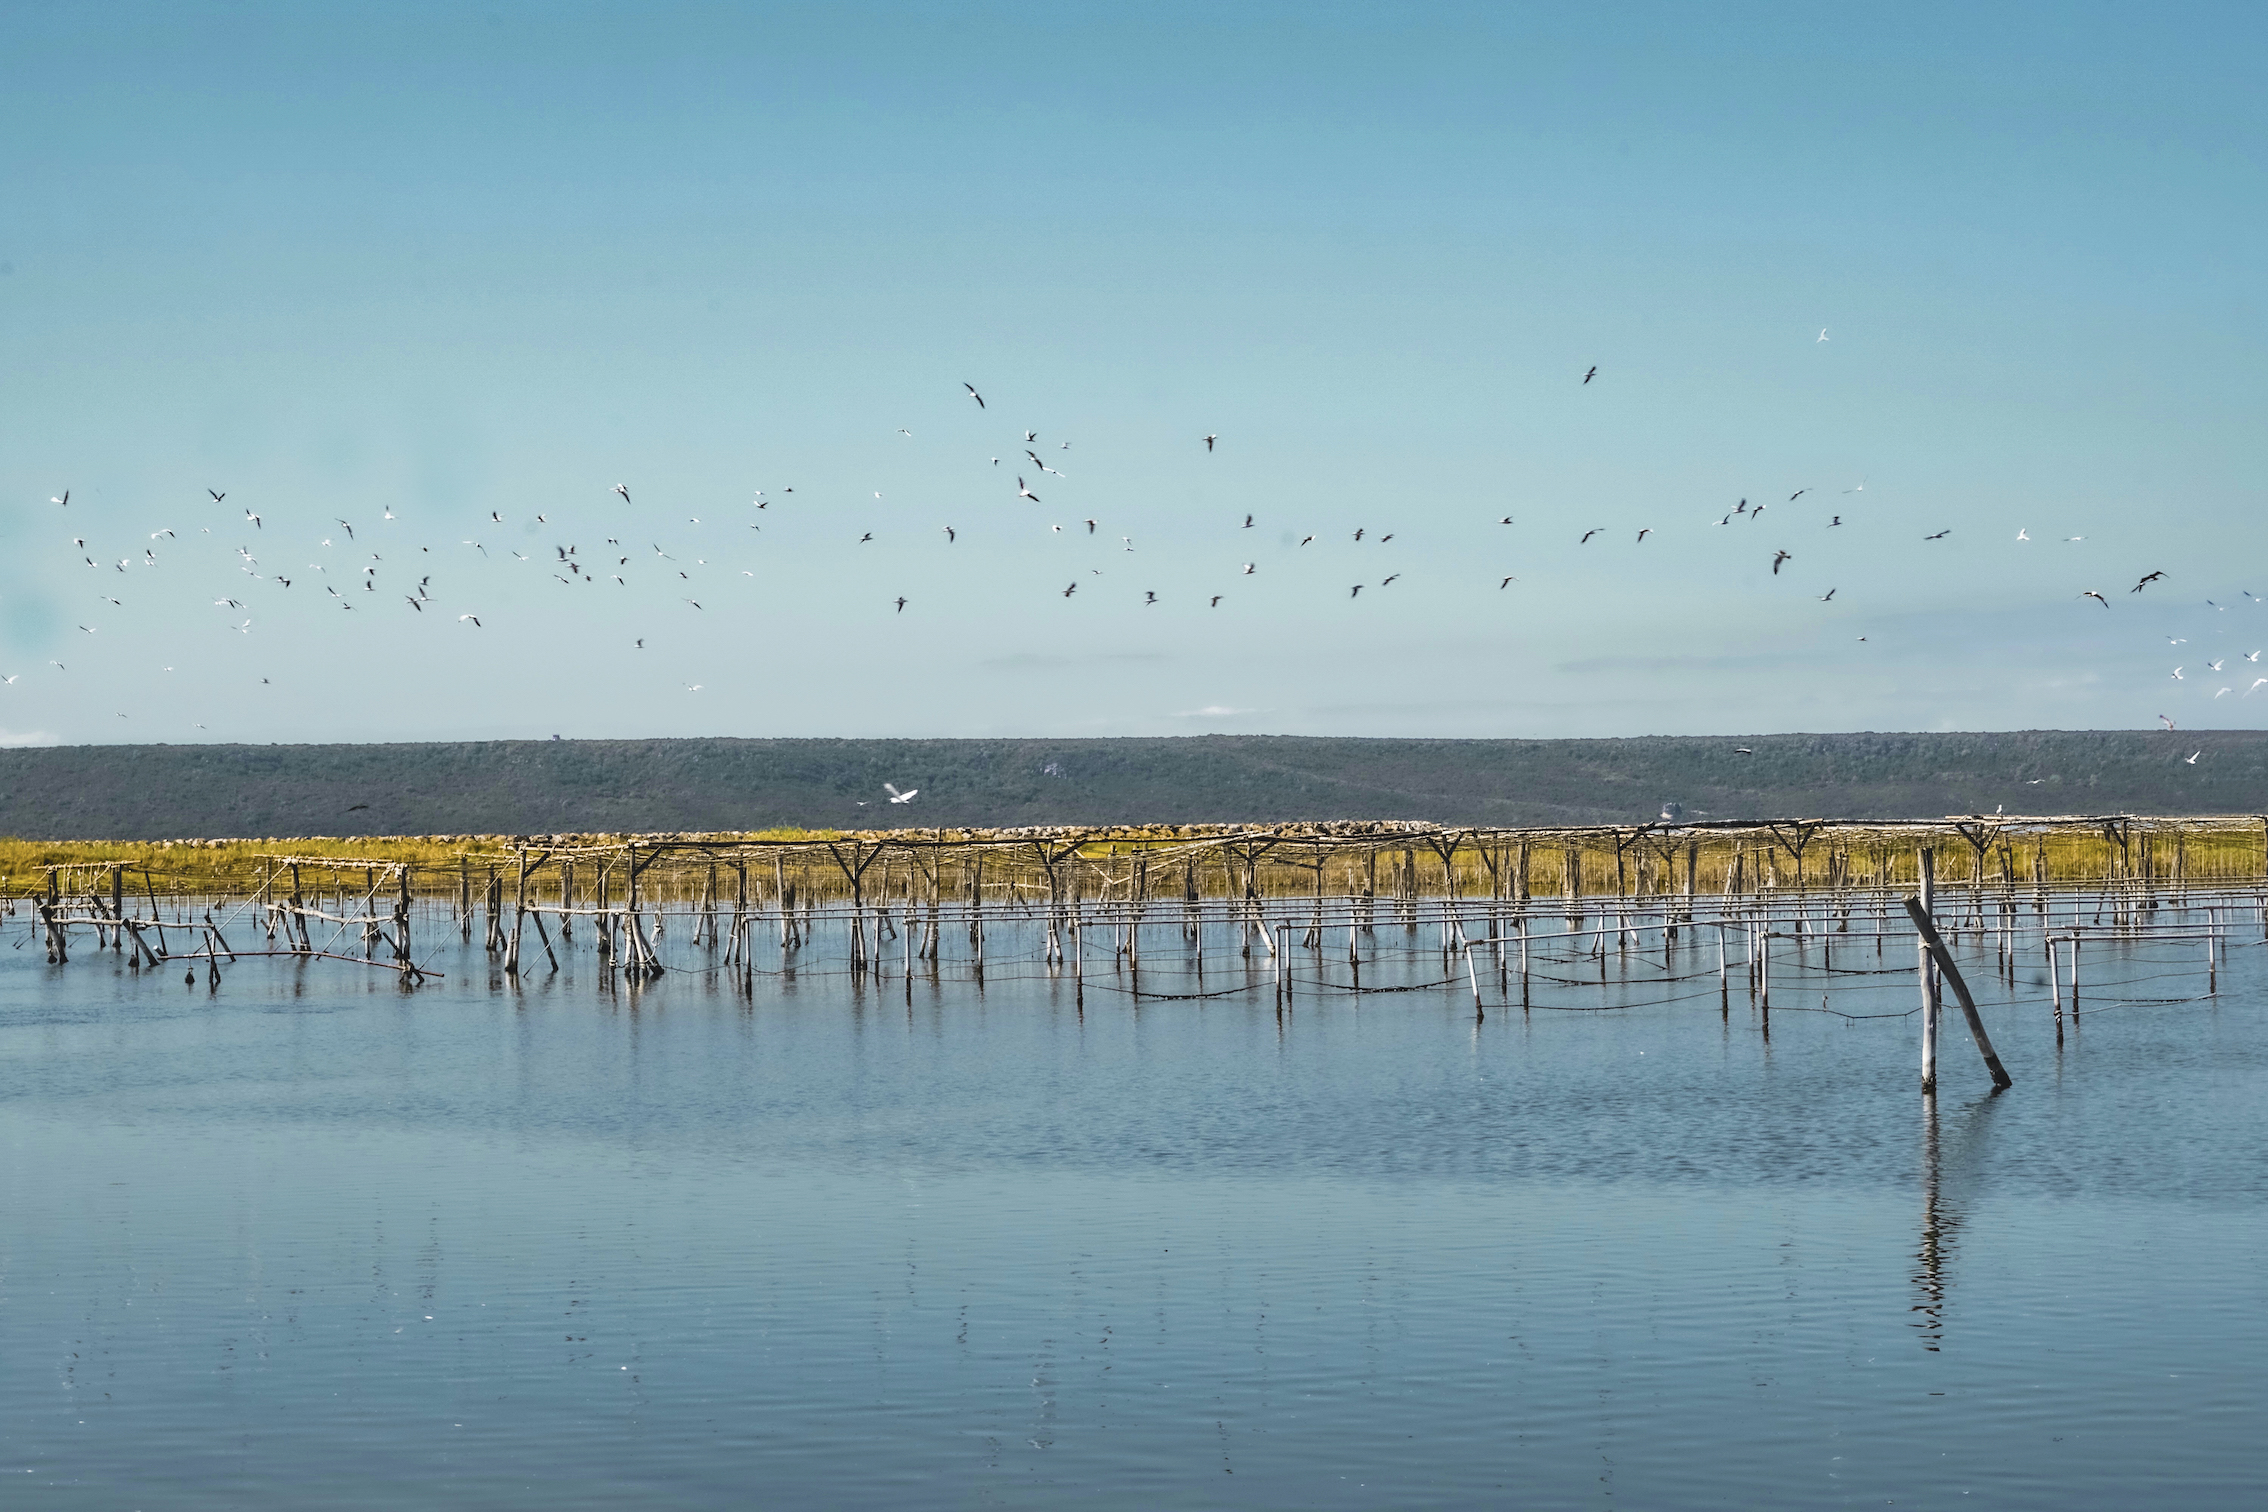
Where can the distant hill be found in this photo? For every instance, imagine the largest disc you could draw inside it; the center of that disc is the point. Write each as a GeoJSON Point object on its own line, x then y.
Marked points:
{"type": "Point", "coordinates": [532, 787]}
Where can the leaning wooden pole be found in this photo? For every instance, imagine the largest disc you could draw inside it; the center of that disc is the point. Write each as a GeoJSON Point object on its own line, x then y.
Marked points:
{"type": "Point", "coordinates": [1952, 975]}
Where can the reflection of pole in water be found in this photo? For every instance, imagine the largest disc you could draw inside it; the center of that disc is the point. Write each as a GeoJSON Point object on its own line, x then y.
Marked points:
{"type": "Point", "coordinates": [1938, 1228]}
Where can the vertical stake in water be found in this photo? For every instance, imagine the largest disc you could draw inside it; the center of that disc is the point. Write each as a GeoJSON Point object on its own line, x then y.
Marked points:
{"type": "Point", "coordinates": [1928, 969]}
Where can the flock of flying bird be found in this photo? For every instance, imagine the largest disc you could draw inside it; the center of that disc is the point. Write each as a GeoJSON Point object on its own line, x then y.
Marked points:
{"type": "Point", "coordinates": [352, 580]}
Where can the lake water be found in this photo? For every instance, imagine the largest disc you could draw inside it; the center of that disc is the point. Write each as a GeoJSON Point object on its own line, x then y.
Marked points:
{"type": "Point", "coordinates": [311, 1239]}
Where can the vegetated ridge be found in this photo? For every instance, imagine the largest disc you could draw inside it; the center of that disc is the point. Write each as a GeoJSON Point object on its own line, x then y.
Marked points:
{"type": "Point", "coordinates": [546, 787]}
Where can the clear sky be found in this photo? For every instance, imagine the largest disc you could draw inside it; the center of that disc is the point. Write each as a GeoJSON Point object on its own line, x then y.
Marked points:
{"type": "Point", "coordinates": [473, 264]}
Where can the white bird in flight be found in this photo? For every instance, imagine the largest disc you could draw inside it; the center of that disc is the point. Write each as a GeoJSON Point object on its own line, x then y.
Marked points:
{"type": "Point", "coordinates": [897, 797]}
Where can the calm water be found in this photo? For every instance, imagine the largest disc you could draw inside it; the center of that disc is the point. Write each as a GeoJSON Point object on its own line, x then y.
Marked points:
{"type": "Point", "coordinates": [312, 1239]}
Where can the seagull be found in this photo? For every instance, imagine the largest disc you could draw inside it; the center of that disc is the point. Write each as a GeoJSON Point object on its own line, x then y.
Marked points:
{"type": "Point", "coordinates": [2022, 536]}
{"type": "Point", "coordinates": [1593, 373]}
{"type": "Point", "coordinates": [349, 529]}
{"type": "Point", "coordinates": [692, 687]}
{"type": "Point", "coordinates": [1508, 582]}
{"type": "Point", "coordinates": [2224, 690]}
{"type": "Point", "coordinates": [2191, 758]}
{"type": "Point", "coordinates": [1216, 601]}
{"type": "Point", "coordinates": [1356, 592]}
{"type": "Point", "coordinates": [217, 496]}
{"type": "Point", "coordinates": [1587, 536]}
{"type": "Point", "coordinates": [2177, 677]}
{"type": "Point", "coordinates": [949, 536]}
{"type": "Point", "coordinates": [1249, 568]}
{"type": "Point", "coordinates": [1248, 522]}
{"type": "Point", "coordinates": [473, 617]}
{"type": "Point", "coordinates": [419, 607]}
{"type": "Point", "coordinates": [2098, 598]}
{"type": "Point", "coordinates": [1822, 335]}
{"type": "Point", "coordinates": [696, 603]}
{"type": "Point", "coordinates": [64, 500]}
{"type": "Point", "coordinates": [1305, 539]}
{"type": "Point", "coordinates": [1649, 530]}
{"type": "Point", "coordinates": [1860, 489]}
{"type": "Point", "coordinates": [1505, 521]}
{"type": "Point", "coordinates": [2211, 666]}
{"type": "Point", "coordinates": [2256, 682]}
{"type": "Point", "coordinates": [1799, 493]}
{"type": "Point", "coordinates": [226, 604]}
{"type": "Point", "coordinates": [1389, 580]}
{"type": "Point", "coordinates": [1827, 597]}
{"type": "Point", "coordinates": [624, 490]}
{"type": "Point", "coordinates": [1742, 751]}
{"type": "Point", "coordinates": [255, 519]}
{"type": "Point", "coordinates": [862, 540]}
{"type": "Point", "coordinates": [1358, 534]}
{"type": "Point", "coordinates": [1025, 493]}
{"type": "Point", "coordinates": [1090, 527]}
{"type": "Point", "coordinates": [11, 677]}
{"type": "Point", "coordinates": [1209, 440]}
{"type": "Point", "coordinates": [1074, 588]}
{"type": "Point", "coordinates": [901, 603]}
{"type": "Point", "coordinates": [2168, 723]}
{"type": "Point", "coordinates": [1149, 597]}
{"type": "Point", "coordinates": [2252, 656]}
{"type": "Point", "coordinates": [973, 394]}
{"type": "Point", "coordinates": [157, 533]}
{"type": "Point", "coordinates": [897, 797]}
{"type": "Point", "coordinates": [1778, 558]}
{"type": "Point", "coordinates": [905, 433]}
{"type": "Point", "coordinates": [2177, 640]}
{"type": "Point", "coordinates": [1831, 524]}
{"type": "Point", "coordinates": [1941, 535]}
{"type": "Point", "coordinates": [2146, 582]}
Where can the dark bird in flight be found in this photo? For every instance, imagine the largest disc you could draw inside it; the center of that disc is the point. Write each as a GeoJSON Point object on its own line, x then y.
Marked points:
{"type": "Point", "coordinates": [1831, 524]}
{"type": "Point", "coordinates": [1248, 522]}
{"type": "Point", "coordinates": [357, 807]}
{"type": "Point", "coordinates": [1587, 537]}
{"type": "Point", "coordinates": [1074, 588]}
{"type": "Point", "coordinates": [1941, 535]}
{"type": "Point", "coordinates": [1508, 582]}
{"type": "Point", "coordinates": [973, 394]}
{"type": "Point", "coordinates": [1649, 530]}
{"type": "Point", "coordinates": [1828, 597]}
{"type": "Point", "coordinates": [1149, 597]}
{"type": "Point", "coordinates": [2146, 582]}
{"type": "Point", "coordinates": [1216, 601]}
{"type": "Point", "coordinates": [217, 497]}
{"type": "Point", "coordinates": [1355, 592]}
{"type": "Point", "coordinates": [1799, 493]}
{"type": "Point", "coordinates": [1778, 558]}
{"type": "Point", "coordinates": [1593, 373]}
{"type": "Point", "coordinates": [2098, 598]}
{"type": "Point", "coordinates": [902, 597]}
{"type": "Point", "coordinates": [950, 538]}
{"type": "Point", "coordinates": [1209, 440]}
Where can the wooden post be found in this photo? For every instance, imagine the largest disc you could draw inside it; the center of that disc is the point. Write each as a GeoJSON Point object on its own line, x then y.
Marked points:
{"type": "Point", "coordinates": [1930, 999]}
{"type": "Point", "coordinates": [1952, 975]}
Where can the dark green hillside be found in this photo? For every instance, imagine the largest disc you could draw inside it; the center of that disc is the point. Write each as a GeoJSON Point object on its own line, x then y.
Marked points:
{"type": "Point", "coordinates": [513, 787]}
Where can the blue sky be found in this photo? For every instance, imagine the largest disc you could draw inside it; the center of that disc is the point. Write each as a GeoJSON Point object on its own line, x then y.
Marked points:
{"type": "Point", "coordinates": [455, 263]}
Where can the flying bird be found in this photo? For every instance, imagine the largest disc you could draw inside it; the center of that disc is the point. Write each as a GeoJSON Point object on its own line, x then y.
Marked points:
{"type": "Point", "coordinates": [1742, 751]}
{"type": "Point", "coordinates": [950, 538]}
{"type": "Point", "coordinates": [1249, 568]}
{"type": "Point", "coordinates": [1355, 592]}
{"type": "Point", "coordinates": [473, 617]}
{"type": "Point", "coordinates": [624, 490]}
{"type": "Point", "coordinates": [1799, 493]}
{"type": "Point", "coordinates": [2022, 536]}
{"type": "Point", "coordinates": [897, 797]}
{"type": "Point", "coordinates": [2098, 598]}
{"type": "Point", "coordinates": [1508, 582]}
{"type": "Point", "coordinates": [1828, 597]}
{"type": "Point", "coordinates": [1074, 588]}
{"type": "Point", "coordinates": [1587, 536]}
{"type": "Point", "coordinates": [255, 519]}
{"type": "Point", "coordinates": [2191, 758]}
{"type": "Point", "coordinates": [1778, 558]}
{"type": "Point", "coordinates": [973, 394]}
{"type": "Point", "coordinates": [1148, 597]}
{"type": "Point", "coordinates": [901, 603]}
{"type": "Point", "coordinates": [217, 496]}
{"type": "Point", "coordinates": [1593, 373]}
{"type": "Point", "coordinates": [2147, 580]}
{"type": "Point", "coordinates": [1209, 440]}
{"type": "Point", "coordinates": [1248, 522]}
{"type": "Point", "coordinates": [1649, 530]}
{"type": "Point", "coordinates": [1941, 535]}
{"type": "Point", "coordinates": [1822, 335]}
{"type": "Point", "coordinates": [2168, 723]}
{"type": "Point", "coordinates": [1831, 524]}
{"type": "Point", "coordinates": [64, 500]}
{"type": "Point", "coordinates": [1026, 493]}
